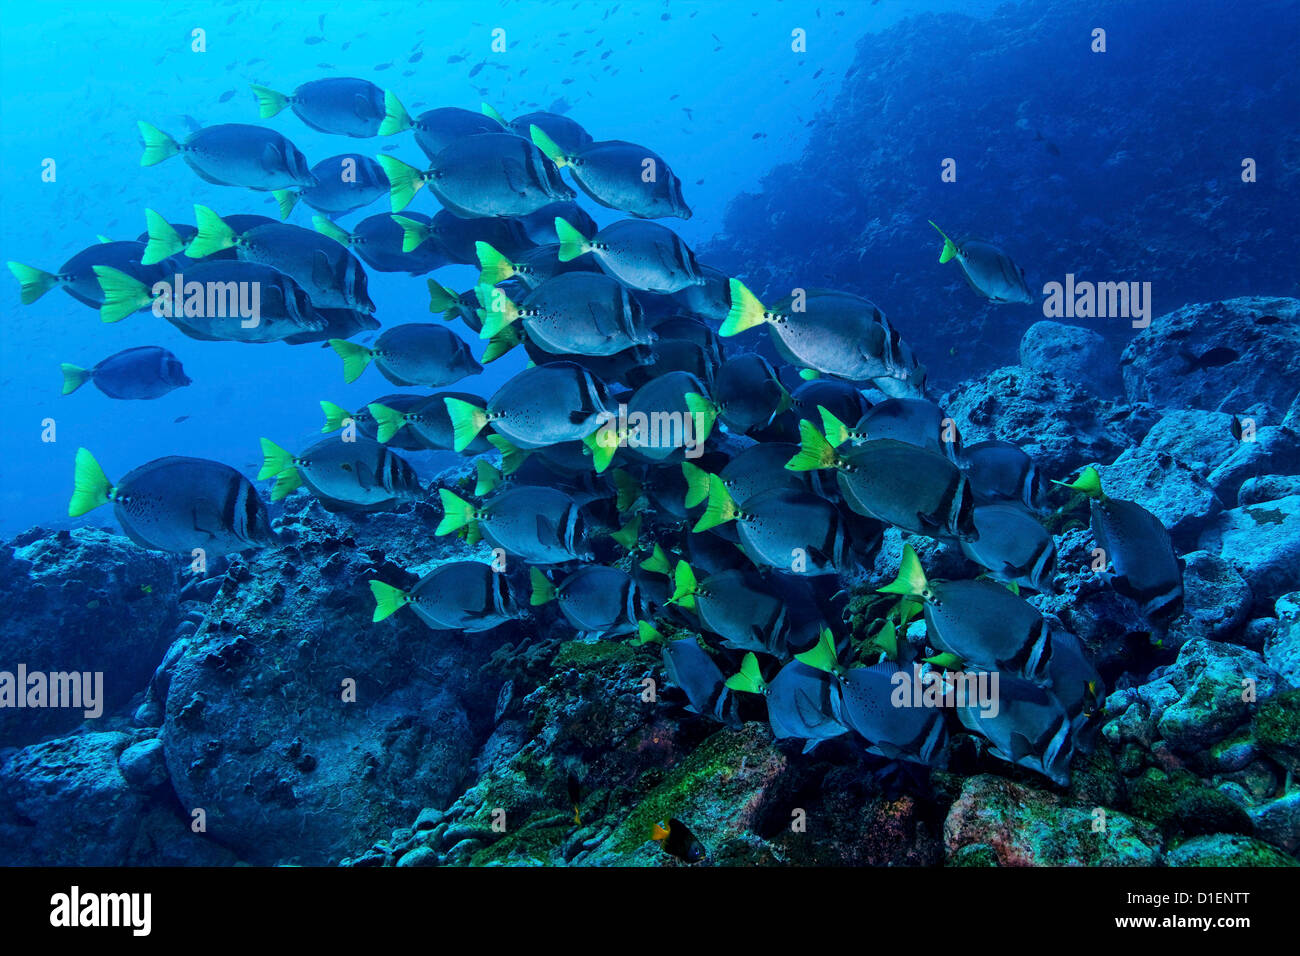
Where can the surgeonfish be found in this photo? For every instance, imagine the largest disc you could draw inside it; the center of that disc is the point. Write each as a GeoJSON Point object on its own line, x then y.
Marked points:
{"type": "Point", "coordinates": [641, 254]}
{"type": "Point", "coordinates": [915, 489]}
{"type": "Point", "coordinates": [914, 421]}
{"type": "Point", "coordinates": [177, 504]}
{"type": "Point", "coordinates": [493, 174]}
{"type": "Point", "coordinates": [867, 705]}
{"type": "Point", "coordinates": [458, 596]}
{"type": "Point", "coordinates": [565, 131]}
{"type": "Point", "coordinates": [543, 405]}
{"type": "Point", "coordinates": [587, 313]}
{"type": "Point", "coordinates": [359, 475]}
{"type": "Point", "coordinates": [535, 523]}
{"type": "Point", "coordinates": [804, 702]}
{"type": "Point", "coordinates": [738, 606]}
{"type": "Point", "coordinates": [344, 184]}
{"type": "Point", "coordinates": [1013, 545]}
{"type": "Point", "coordinates": [144, 372]}
{"type": "Point", "coordinates": [325, 269]}
{"type": "Point", "coordinates": [336, 417]}
{"type": "Point", "coordinates": [834, 333]}
{"type": "Point", "coordinates": [222, 300]}
{"type": "Point", "coordinates": [1137, 548]}
{"type": "Point", "coordinates": [988, 270]}
{"type": "Point", "coordinates": [1002, 471]}
{"type": "Point", "coordinates": [694, 671]}
{"type": "Point", "coordinates": [981, 622]}
{"type": "Point", "coordinates": [620, 175]}
{"type": "Point", "coordinates": [78, 278]}
{"type": "Point", "coordinates": [233, 154]}
{"type": "Point", "coordinates": [411, 354]}
{"type": "Point", "coordinates": [344, 106]}
{"type": "Point", "coordinates": [782, 528]}
{"type": "Point", "coordinates": [427, 420]}
{"type": "Point", "coordinates": [436, 129]}
{"type": "Point", "coordinates": [380, 242]}
{"type": "Point", "coordinates": [595, 599]}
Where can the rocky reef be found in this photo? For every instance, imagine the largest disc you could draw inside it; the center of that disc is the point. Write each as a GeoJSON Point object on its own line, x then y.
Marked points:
{"type": "Point", "coordinates": [263, 717]}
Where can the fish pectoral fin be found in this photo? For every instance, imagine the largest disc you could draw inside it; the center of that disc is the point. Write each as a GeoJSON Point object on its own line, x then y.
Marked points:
{"type": "Point", "coordinates": [546, 529]}
{"type": "Point", "coordinates": [321, 273]}
{"type": "Point", "coordinates": [365, 477]}
{"type": "Point", "coordinates": [206, 518]}
{"type": "Point", "coordinates": [1020, 747]}
{"type": "Point", "coordinates": [272, 159]}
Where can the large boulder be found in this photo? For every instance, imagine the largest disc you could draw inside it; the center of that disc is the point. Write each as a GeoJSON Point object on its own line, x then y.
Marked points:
{"type": "Point", "coordinates": [1216, 601]}
{"type": "Point", "coordinates": [1274, 450]}
{"type": "Point", "coordinates": [72, 801]}
{"type": "Point", "coordinates": [1074, 353]}
{"type": "Point", "coordinates": [1167, 487]}
{"type": "Point", "coordinates": [1282, 647]}
{"type": "Point", "coordinates": [1263, 543]}
{"type": "Point", "coordinates": [1197, 702]}
{"type": "Point", "coordinates": [1240, 356]}
{"type": "Point", "coordinates": [84, 601]}
{"type": "Point", "coordinates": [1201, 440]}
{"type": "Point", "coordinates": [1015, 825]}
{"type": "Point", "coordinates": [1060, 424]}
{"type": "Point", "coordinates": [300, 727]}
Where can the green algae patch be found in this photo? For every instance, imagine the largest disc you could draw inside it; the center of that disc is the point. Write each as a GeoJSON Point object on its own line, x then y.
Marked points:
{"type": "Point", "coordinates": [1180, 804]}
{"type": "Point", "coordinates": [1276, 728]}
{"type": "Point", "coordinates": [581, 654]}
{"type": "Point", "coordinates": [975, 855]}
{"type": "Point", "coordinates": [532, 842]}
{"type": "Point", "coordinates": [1223, 849]}
{"type": "Point", "coordinates": [694, 788]}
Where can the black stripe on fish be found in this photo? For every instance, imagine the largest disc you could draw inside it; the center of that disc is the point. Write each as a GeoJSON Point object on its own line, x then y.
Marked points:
{"type": "Point", "coordinates": [231, 506]}
{"type": "Point", "coordinates": [1033, 659]}
{"type": "Point", "coordinates": [1057, 745]}
{"type": "Point", "coordinates": [958, 509]}
{"type": "Point", "coordinates": [252, 510]}
{"type": "Point", "coordinates": [934, 740]}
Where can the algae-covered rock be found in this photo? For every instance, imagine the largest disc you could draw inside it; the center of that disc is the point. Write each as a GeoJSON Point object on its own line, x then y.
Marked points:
{"type": "Point", "coordinates": [1220, 685]}
{"type": "Point", "coordinates": [1026, 827]}
{"type": "Point", "coordinates": [1225, 849]}
{"type": "Point", "coordinates": [719, 791]}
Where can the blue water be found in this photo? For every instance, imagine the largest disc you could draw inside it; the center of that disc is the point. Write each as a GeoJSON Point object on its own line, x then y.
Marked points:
{"type": "Point", "coordinates": [694, 81]}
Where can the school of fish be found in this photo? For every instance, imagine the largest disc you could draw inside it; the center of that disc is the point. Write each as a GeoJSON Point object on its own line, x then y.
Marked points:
{"type": "Point", "coordinates": [663, 471]}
